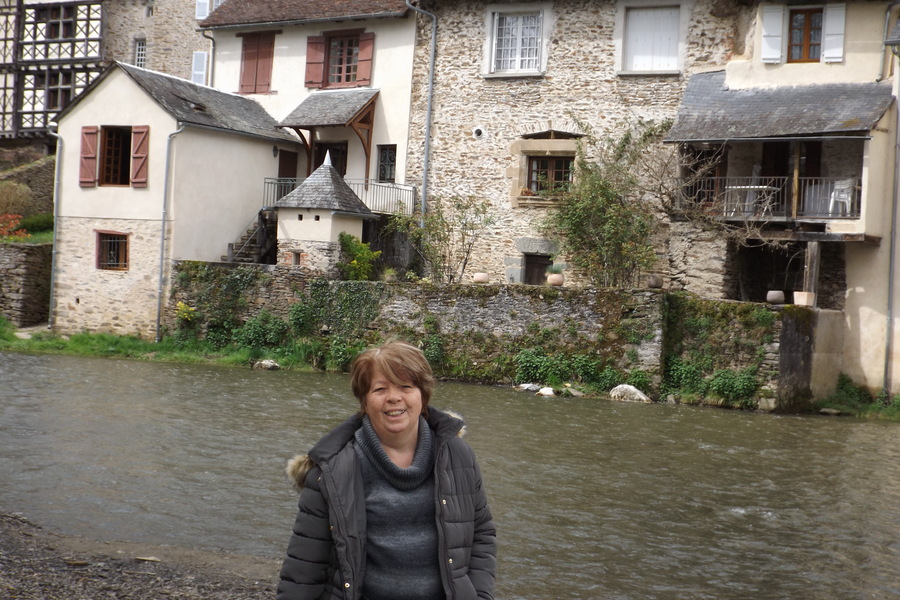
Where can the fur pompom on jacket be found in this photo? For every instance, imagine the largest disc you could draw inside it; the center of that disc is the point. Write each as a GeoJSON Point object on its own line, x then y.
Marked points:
{"type": "Point", "coordinates": [326, 554]}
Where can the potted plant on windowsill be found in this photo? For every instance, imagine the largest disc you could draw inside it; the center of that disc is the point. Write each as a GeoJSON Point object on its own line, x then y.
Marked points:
{"type": "Point", "coordinates": [555, 275]}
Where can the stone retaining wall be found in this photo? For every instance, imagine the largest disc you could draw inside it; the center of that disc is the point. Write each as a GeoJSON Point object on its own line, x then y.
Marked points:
{"type": "Point", "coordinates": [25, 283]}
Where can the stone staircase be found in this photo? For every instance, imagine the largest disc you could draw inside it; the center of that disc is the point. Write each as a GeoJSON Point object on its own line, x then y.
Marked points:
{"type": "Point", "coordinates": [257, 245]}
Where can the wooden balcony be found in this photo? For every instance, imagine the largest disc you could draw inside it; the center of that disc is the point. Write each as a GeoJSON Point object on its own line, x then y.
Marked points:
{"type": "Point", "coordinates": [775, 198]}
{"type": "Point", "coordinates": [380, 197]}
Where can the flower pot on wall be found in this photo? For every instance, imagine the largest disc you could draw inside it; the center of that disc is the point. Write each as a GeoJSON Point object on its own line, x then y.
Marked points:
{"type": "Point", "coordinates": [481, 277]}
{"type": "Point", "coordinates": [805, 298]}
{"type": "Point", "coordinates": [555, 279]}
{"type": "Point", "coordinates": [775, 297]}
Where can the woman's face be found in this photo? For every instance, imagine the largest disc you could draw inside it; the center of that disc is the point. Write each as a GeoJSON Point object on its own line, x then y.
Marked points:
{"type": "Point", "coordinates": [393, 409]}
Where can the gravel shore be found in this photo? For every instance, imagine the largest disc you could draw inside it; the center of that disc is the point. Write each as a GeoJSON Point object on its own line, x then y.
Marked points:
{"type": "Point", "coordinates": [36, 564]}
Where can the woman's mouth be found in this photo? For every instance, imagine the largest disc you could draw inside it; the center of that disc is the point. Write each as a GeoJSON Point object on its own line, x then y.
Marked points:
{"type": "Point", "coordinates": [395, 413]}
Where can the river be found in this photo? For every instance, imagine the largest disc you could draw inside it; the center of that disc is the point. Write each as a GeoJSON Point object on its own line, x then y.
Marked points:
{"type": "Point", "coordinates": [592, 499]}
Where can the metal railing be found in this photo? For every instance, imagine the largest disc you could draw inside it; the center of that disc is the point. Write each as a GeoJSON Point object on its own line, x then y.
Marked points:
{"type": "Point", "coordinates": [765, 197]}
{"type": "Point", "coordinates": [380, 197]}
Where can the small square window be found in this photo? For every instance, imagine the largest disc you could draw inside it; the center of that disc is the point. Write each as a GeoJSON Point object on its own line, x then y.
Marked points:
{"type": "Point", "coordinates": [651, 39]}
{"type": "Point", "coordinates": [517, 39]}
{"type": "Point", "coordinates": [112, 251]}
{"type": "Point", "coordinates": [549, 174]}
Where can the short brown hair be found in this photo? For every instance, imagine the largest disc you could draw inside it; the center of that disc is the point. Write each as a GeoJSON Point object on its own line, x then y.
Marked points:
{"type": "Point", "coordinates": [400, 363]}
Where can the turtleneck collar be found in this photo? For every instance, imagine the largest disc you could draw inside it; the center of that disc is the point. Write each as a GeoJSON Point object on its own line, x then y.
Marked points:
{"type": "Point", "coordinates": [402, 479]}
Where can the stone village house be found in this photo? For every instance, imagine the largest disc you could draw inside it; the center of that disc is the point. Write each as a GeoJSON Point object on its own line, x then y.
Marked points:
{"type": "Point", "coordinates": [496, 115]}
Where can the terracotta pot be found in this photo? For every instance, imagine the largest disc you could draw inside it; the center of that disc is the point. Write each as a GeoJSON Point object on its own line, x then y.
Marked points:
{"type": "Point", "coordinates": [481, 277]}
{"type": "Point", "coordinates": [555, 279]}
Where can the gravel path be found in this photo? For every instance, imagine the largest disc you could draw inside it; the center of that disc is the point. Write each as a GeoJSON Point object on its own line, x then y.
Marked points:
{"type": "Point", "coordinates": [36, 564]}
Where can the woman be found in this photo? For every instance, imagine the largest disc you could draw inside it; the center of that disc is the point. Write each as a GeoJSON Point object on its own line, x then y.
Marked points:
{"type": "Point", "coordinates": [391, 504]}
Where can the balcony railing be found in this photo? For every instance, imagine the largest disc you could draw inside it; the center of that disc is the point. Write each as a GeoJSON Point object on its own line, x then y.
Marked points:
{"type": "Point", "coordinates": [773, 197]}
{"type": "Point", "coordinates": [380, 197]}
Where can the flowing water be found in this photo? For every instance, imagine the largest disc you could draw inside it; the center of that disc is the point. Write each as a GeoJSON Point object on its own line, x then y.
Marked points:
{"type": "Point", "coordinates": [592, 499]}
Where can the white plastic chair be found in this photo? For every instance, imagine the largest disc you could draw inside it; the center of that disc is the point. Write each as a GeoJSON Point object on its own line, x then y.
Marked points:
{"type": "Point", "coordinates": [842, 196]}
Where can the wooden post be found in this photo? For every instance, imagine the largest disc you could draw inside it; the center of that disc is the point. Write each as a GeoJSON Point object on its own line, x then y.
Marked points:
{"type": "Point", "coordinates": [795, 184]}
{"type": "Point", "coordinates": [811, 269]}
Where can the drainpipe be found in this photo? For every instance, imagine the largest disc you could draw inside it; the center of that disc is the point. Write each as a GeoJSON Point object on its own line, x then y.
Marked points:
{"type": "Point", "coordinates": [428, 105]}
{"type": "Point", "coordinates": [51, 320]}
{"type": "Point", "coordinates": [212, 58]}
{"type": "Point", "coordinates": [162, 235]}
{"type": "Point", "coordinates": [892, 266]}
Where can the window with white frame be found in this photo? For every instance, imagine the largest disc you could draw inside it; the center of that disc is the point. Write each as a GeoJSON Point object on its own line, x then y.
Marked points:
{"type": "Point", "coordinates": [802, 34]}
{"type": "Point", "coordinates": [198, 68]}
{"type": "Point", "coordinates": [140, 53]}
{"type": "Point", "coordinates": [651, 38]}
{"type": "Point", "coordinates": [517, 39]}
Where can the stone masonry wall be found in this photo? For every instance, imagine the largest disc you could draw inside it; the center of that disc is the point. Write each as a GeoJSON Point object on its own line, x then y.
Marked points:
{"type": "Point", "coordinates": [38, 176]}
{"type": "Point", "coordinates": [580, 85]}
{"type": "Point", "coordinates": [105, 301]}
{"type": "Point", "coordinates": [25, 283]}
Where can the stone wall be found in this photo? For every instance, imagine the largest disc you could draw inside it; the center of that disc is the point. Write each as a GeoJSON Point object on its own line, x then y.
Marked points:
{"type": "Point", "coordinates": [25, 283]}
{"type": "Point", "coordinates": [580, 86]}
{"type": "Point", "coordinates": [38, 176]}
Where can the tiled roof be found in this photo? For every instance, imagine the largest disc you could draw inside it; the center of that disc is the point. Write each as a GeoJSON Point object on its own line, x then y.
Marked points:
{"type": "Point", "coordinates": [234, 13]}
{"type": "Point", "coordinates": [323, 109]}
{"type": "Point", "coordinates": [325, 189]}
{"type": "Point", "coordinates": [711, 112]}
{"type": "Point", "coordinates": [203, 106]}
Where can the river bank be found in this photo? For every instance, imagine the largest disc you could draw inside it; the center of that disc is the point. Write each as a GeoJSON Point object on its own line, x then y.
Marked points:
{"type": "Point", "coordinates": [37, 563]}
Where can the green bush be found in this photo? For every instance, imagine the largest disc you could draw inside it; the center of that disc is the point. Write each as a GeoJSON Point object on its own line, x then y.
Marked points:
{"type": "Point", "coordinates": [639, 379]}
{"type": "Point", "coordinates": [37, 223]}
{"type": "Point", "coordinates": [734, 386]}
{"type": "Point", "coordinates": [304, 318]}
{"type": "Point", "coordinates": [263, 331]}
{"type": "Point", "coordinates": [684, 377]}
{"type": "Point", "coordinates": [341, 353]}
{"type": "Point", "coordinates": [609, 378]}
{"type": "Point", "coordinates": [434, 351]}
{"type": "Point", "coordinates": [360, 265]}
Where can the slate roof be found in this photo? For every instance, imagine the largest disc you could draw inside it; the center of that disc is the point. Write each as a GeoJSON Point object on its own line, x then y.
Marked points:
{"type": "Point", "coordinates": [198, 105]}
{"type": "Point", "coordinates": [331, 108]}
{"type": "Point", "coordinates": [325, 189]}
{"type": "Point", "coordinates": [711, 112]}
{"type": "Point", "coordinates": [235, 13]}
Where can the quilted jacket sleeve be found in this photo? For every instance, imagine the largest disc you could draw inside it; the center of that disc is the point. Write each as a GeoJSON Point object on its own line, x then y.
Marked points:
{"type": "Point", "coordinates": [483, 562]}
{"type": "Point", "coordinates": [305, 569]}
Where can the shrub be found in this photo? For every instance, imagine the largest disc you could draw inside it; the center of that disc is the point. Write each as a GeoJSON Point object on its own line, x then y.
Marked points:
{"type": "Point", "coordinates": [609, 378]}
{"type": "Point", "coordinates": [15, 198]}
{"type": "Point", "coordinates": [360, 258]}
{"type": "Point", "coordinates": [10, 229]}
{"type": "Point", "coordinates": [37, 223]}
{"type": "Point", "coordinates": [303, 318]}
{"type": "Point", "coordinates": [263, 331]}
{"type": "Point", "coordinates": [341, 353]}
{"type": "Point", "coordinates": [734, 386]}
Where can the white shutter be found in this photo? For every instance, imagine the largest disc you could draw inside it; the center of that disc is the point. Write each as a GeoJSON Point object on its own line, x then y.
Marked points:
{"type": "Point", "coordinates": [651, 39]}
{"type": "Point", "coordinates": [833, 33]}
{"type": "Point", "coordinates": [201, 11]}
{"type": "Point", "coordinates": [198, 68]}
{"type": "Point", "coordinates": [772, 33]}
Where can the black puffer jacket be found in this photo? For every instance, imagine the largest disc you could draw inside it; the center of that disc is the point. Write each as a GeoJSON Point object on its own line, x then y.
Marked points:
{"type": "Point", "coordinates": [326, 555]}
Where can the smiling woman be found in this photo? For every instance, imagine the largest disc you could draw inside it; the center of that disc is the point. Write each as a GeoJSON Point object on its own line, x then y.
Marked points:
{"type": "Point", "coordinates": [392, 504]}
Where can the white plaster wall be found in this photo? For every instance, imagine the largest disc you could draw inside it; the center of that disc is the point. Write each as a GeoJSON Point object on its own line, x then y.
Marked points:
{"type": "Point", "coordinates": [391, 74]}
{"type": "Point", "coordinates": [863, 54]}
{"type": "Point", "coordinates": [218, 189]}
{"type": "Point", "coordinates": [326, 229]}
{"type": "Point", "coordinates": [117, 101]}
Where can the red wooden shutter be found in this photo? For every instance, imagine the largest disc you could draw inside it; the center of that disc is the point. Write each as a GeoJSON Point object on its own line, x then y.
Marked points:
{"type": "Point", "coordinates": [249, 60]}
{"type": "Point", "coordinates": [87, 176]}
{"type": "Point", "coordinates": [364, 60]}
{"type": "Point", "coordinates": [315, 61]}
{"type": "Point", "coordinates": [140, 142]}
{"type": "Point", "coordinates": [264, 55]}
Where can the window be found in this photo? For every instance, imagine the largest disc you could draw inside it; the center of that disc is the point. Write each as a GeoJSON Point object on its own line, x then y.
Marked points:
{"type": "Point", "coordinates": [651, 39]}
{"type": "Point", "coordinates": [59, 90]}
{"type": "Point", "coordinates": [59, 21]}
{"type": "Point", "coordinates": [337, 153]}
{"type": "Point", "coordinates": [140, 53]}
{"type": "Point", "coordinates": [387, 163]}
{"type": "Point", "coordinates": [114, 156]}
{"type": "Point", "coordinates": [203, 7]}
{"type": "Point", "coordinates": [805, 36]}
{"type": "Point", "coordinates": [549, 173]}
{"type": "Point", "coordinates": [256, 62]}
{"type": "Point", "coordinates": [112, 251]}
{"type": "Point", "coordinates": [517, 39]}
{"type": "Point", "coordinates": [339, 59]}
{"type": "Point", "coordinates": [802, 35]}
{"type": "Point", "coordinates": [198, 68]}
